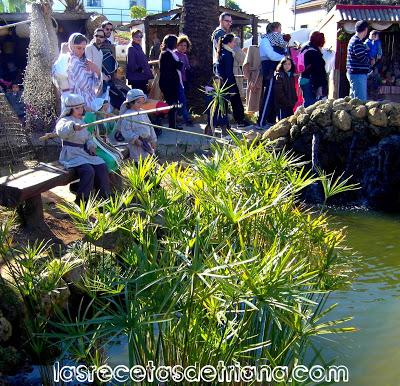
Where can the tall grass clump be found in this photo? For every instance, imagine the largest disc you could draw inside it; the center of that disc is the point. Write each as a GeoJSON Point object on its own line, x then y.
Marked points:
{"type": "Point", "coordinates": [218, 261]}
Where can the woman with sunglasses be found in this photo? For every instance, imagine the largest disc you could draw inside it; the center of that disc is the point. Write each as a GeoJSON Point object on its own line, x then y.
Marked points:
{"type": "Point", "coordinates": [138, 70]}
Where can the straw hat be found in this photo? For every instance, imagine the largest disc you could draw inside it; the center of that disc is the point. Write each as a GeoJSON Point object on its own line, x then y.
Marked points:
{"type": "Point", "coordinates": [72, 100]}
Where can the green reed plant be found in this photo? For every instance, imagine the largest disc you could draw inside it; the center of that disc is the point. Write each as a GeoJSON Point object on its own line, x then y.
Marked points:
{"type": "Point", "coordinates": [216, 261]}
{"type": "Point", "coordinates": [333, 186]}
{"type": "Point", "coordinates": [218, 105]}
{"type": "Point", "coordinates": [37, 276]}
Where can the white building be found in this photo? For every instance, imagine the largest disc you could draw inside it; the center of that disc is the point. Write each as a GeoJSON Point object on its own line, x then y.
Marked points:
{"type": "Point", "coordinates": [296, 14]}
{"type": "Point", "coordinates": [119, 11]}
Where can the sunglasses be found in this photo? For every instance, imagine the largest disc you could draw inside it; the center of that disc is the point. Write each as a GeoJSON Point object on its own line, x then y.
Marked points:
{"type": "Point", "coordinates": [100, 36]}
{"type": "Point", "coordinates": [228, 21]}
{"type": "Point", "coordinates": [108, 29]}
{"type": "Point", "coordinates": [137, 36]}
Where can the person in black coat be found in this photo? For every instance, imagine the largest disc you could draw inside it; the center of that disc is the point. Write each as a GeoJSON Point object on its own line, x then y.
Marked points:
{"type": "Point", "coordinates": [313, 80]}
{"type": "Point", "coordinates": [285, 88]}
{"type": "Point", "coordinates": [170, 76]}
{"type": "Point", "coordinates": [225, 72]}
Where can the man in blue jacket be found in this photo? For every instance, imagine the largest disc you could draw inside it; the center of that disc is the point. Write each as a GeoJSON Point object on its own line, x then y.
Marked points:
{"type": "Point", "coordinates": [359, 62]}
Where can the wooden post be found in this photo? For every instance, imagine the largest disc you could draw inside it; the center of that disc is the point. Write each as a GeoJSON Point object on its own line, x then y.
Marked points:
{"type": "Point", "coordinates": [254, 30]}
{"type": "Point", "coordinates": [148, 41]}
{"type": "Point", "coordinates": [31, 212]}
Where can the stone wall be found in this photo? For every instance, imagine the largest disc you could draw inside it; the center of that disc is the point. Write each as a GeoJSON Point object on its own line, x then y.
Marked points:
{"type": "Point", "coordinates": [351, 137]}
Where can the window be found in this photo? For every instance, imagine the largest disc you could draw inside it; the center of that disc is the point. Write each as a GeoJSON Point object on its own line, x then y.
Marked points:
{"type": "Point", "coordinates": [93, 3]}
{"type": "Point", "coordinates": [140, 3]}
{"type": "Point", "coordinates": [166, 5]}
{"type": "Point", "coordinates": [304, 26]}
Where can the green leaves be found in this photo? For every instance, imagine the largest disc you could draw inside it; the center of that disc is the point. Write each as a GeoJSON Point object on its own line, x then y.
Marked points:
{"type": "Point", "coordinates": [12, 6]}
{"type": "Point", "coordinates": [217, 261]}
{"type": "Point", "coordinates": [333, 186]}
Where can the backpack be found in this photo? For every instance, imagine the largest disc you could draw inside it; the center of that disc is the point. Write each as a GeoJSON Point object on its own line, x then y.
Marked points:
{"type": "Point", "coordinates": [110, 65]}
{"type": "Point", "coordinates": [299, 60]}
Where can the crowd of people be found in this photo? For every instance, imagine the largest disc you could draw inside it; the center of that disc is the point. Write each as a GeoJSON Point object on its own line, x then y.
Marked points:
{"type": "Point", "coordinates": [89, 79]}
{"type": "Point", "coordinates": [91, 86]}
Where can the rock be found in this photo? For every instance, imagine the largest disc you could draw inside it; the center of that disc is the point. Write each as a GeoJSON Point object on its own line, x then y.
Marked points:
{"type": "Point", "coordinates": [252, 135]}
{"type": "Point", "coordinates": [11, 361]}
{"type": "Point", "coordinates": [359, 112]}
{"type": "Point", "coordinates": [5, 329]}
{"type": "Point", "coordinates": [295, 131]}
{"type": "Point", "coordinates": [310, 128]}
{"type": "Point", "coordinates": [76, 275]}
{"type": "Point", "coordinates": [377, 117]}
{"type": "Point", "coordinates": [341, 104]}
{"type": "Point", "coordinates": [389, 107]}
{"type": "Point", "coordinates": [322, 116]}
{"type": "Point", "coordinates": [360, 126]}
{"type": "Point", "coordinates": [57, 298]}
{"type": "Point", "coordinates": [339, 101]}
{"type": "Point", "coordinates": [280, 142]}
{"type": "Point", "coordinates": [330, 133]}
{"type": "Point", "coordinates": [342, 120]}
{"type": "Point", "coordinates": [380, 168]}
{"type": "Point", "coordinates": [293, 119]}
{"type": "Point", "coordinates": [329, 103]}
{"type": "Point", "coordinates": [313, 107]}
{"type": "Point", "coordinates": [343, 136]}
{"type": "Point", "coordinates": [11, 304]}
{"type": "Point", "coordinates": [303, 119]}
{"type": "Point", "coordinates": [300, 110]}
{"type": "Point", "coordinates": [356, 102]}
{"type": "Point", "coordinates": [372, 104]}
{"type": "Point", "coordinates": [394, 116]}
{"type": "Point", "coordinates": [281, 129]}
{"type": "Point", "coordinates": [381, 131]}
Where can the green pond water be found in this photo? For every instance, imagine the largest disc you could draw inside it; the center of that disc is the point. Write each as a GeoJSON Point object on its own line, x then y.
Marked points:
{"type": "Point", "coordinates": [372, 354]}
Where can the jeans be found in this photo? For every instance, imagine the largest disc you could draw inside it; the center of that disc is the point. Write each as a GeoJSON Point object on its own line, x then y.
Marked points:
{"type": "Point", "coordinates": [358, 86]}
{"type": "Point", "coordinates": [182, 99]}
{"type": "Point", "coordinates": [308, 94]}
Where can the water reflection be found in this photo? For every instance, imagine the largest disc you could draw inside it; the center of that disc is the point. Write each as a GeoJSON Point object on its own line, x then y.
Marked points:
{"type": "Point", "coordinates": [372, 354]}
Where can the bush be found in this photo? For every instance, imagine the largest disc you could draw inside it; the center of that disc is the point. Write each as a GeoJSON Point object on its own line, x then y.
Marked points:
{"type": "Point", "coordinates": [218, 261]}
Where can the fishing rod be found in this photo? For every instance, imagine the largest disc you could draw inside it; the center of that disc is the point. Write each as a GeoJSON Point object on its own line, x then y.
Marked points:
{"type": "Point", "coordinates": [114, 118]}
{"type": "Point", "coordinates": [15, 24]}
{"type": "Point", "coordinates": [117, 117]}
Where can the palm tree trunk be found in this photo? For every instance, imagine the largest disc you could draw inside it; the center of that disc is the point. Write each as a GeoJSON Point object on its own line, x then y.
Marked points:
{"type": "Point", "coordinates": [198, 20]}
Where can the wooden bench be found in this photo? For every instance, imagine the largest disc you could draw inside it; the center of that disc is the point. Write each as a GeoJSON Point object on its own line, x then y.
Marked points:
{"type": "Point", "coordinates": [23, 189]}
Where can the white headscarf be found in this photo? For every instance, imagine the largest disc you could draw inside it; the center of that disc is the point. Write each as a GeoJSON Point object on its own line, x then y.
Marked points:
{"type": "Point", "coordinates": [72, 39]}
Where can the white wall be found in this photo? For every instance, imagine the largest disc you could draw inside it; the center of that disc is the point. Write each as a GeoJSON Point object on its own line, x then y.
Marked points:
{"type": "Point", "coordinates": [311, 18]}
{"type": "Point", "coordinates": [285, 15]}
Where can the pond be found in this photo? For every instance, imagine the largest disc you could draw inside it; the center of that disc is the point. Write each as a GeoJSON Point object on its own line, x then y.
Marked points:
{"type": "Point", "coordinates": [372, 354]}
